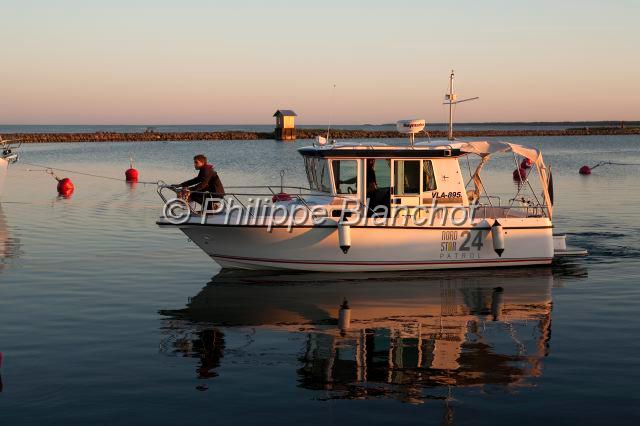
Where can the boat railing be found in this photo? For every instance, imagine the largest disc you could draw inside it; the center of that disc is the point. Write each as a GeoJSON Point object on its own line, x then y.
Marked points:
{"type": "Point", "coordinates": [276, 189]}
{"type": "Point", "coordinates": [244, 196]}
{"type": "Point", "coordinates": [489, 206]}
{"type": "Point", "coordinates": [488, 211]}
{"type": "Point", "coordinates": [490, 199]}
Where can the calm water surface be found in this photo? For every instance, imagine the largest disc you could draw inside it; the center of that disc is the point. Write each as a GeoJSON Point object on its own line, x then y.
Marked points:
{"type": "Point", "coordinates": [106, 319]}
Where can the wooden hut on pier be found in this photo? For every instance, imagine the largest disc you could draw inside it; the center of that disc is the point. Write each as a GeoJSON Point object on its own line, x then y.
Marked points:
{"type": "Point", "coordinates": [285, 125]}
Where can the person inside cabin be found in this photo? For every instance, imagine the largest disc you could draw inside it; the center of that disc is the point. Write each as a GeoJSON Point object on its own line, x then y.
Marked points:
{"type": "Point", "coordinates": [372, 183]}
{"type": "Point", "coordinates": [378, 194]}
{"type": "Point", "coordinates": [206, 185]}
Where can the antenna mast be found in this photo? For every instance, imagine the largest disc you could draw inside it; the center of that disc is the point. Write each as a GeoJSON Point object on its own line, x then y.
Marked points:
{"type": "Point", "coordinates": [451, 99]}
{"type": "Point", "coordinates": [333, 90]}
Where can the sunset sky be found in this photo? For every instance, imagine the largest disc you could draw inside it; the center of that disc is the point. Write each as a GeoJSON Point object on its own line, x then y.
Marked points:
{"type": "Point", "coordinates": [234, 62]}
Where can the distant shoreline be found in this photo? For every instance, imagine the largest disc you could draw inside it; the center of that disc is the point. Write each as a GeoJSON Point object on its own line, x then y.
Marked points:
{"type": "Point", "coordinates": [302, 133]}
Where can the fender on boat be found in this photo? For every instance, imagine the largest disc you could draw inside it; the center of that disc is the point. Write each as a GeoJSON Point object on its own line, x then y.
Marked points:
{"type": "Point", "coordinates": [497, 235]}
{"type": "Point", "coordinates": [344, 237]}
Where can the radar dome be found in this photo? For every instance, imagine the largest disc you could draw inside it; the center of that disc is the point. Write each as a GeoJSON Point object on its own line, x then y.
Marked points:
{"type": "Point", "coordinates": [410, 126]}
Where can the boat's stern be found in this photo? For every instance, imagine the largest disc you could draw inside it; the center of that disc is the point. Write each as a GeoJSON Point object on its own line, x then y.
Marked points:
{"type": "Point", "coordinates": [561, 250]}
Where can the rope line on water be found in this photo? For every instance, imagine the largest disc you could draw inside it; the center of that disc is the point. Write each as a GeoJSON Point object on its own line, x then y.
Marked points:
{"type": "Point", "coordinates": [47, 168]}
{"type": "Point", "coordinates": [613, 163]}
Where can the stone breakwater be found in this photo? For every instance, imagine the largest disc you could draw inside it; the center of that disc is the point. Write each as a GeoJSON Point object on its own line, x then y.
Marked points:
{"type": "Point", "coordinates": [301, 134]}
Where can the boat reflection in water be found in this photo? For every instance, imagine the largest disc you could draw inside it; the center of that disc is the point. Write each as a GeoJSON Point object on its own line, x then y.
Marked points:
{"type": "Point", "coordinates": [401, 334]}
{"type": "Point", "coordinates": [9, 246]}
{"type": "Point", "coordinates": [9, 249]}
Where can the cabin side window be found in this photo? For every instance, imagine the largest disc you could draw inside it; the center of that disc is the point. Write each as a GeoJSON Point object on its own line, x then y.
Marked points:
{"type": "Point", "coordinates": [318, 174]}
{"type": "Point", "coordinates": [345, 174]}
{"type": "Point", "coordinates": [406, 177]}
{"type": "Point", "coordinates": [378, 181]}
{"type": "Point", "coordinates": [428, 176]}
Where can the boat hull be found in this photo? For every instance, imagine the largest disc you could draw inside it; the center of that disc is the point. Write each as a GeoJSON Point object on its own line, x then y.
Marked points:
{"type": "Point", "coordinates": [374, 248]}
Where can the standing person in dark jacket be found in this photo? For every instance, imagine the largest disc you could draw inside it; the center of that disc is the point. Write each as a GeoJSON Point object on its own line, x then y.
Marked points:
{"type": "Point", "coordinates": [207, 181]}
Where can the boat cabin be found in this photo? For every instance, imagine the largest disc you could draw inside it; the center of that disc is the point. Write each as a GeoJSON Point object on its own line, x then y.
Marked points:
{"type": "Point", "coordinates": [386, 175]}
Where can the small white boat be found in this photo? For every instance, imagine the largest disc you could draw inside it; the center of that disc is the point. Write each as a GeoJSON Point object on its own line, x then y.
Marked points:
{"type": "Point", "coordinates": [8, 156]}
{"type": "Point", "coordinates": [378, 207]}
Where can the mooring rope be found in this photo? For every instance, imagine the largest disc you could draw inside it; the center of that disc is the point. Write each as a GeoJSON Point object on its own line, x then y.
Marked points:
{"type": "Point", "coordinates": [49, 169]}
{"type": "Point", "coordinates": [612, 163]}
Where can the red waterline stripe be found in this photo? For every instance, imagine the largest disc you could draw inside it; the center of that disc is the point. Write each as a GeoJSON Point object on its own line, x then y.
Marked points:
{"type": "Point", "coordinates": [315, 262]}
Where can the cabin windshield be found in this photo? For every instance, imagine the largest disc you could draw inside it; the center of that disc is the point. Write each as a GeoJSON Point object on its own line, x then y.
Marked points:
{"type": "Point", "coordinates": [318, 174]}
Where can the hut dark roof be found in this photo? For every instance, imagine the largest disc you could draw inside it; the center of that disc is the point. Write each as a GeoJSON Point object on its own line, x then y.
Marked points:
{"type": "Point", "coordinates": [285, 112]}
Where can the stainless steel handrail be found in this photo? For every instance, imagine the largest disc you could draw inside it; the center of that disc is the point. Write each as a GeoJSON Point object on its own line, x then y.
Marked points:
{"type": "Point", "coordinates": [530, 210]}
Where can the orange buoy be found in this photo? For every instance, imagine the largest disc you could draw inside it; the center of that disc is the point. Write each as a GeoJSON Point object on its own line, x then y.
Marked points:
{"type": "Point", "coordinates": [65, 187]}
{"type": "Point", "coordinates": [281, 196]}
{"type": "Point", "coordinates": [585, 170]}
{"type": "Point", "coordinates": [526, 163]}
{"type": "Point", "coordinates": [131, 175]}
{"type": "Point", "coordinates": [519, 174]}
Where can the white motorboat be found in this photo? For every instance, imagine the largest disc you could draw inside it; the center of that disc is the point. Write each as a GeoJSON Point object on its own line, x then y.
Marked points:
{"type": "Point", "coordinates": [375, 207]}
{"type": "Point", "coordinates": [7, 156]}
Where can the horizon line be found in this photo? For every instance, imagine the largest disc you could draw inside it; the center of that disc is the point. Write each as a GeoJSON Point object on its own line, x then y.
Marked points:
{"type": "Point", "coordinates": [323, 124]}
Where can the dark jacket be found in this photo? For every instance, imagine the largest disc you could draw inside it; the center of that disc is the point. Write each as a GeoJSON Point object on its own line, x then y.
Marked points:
{"type": "Point", "coordinates": [206, 181]}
